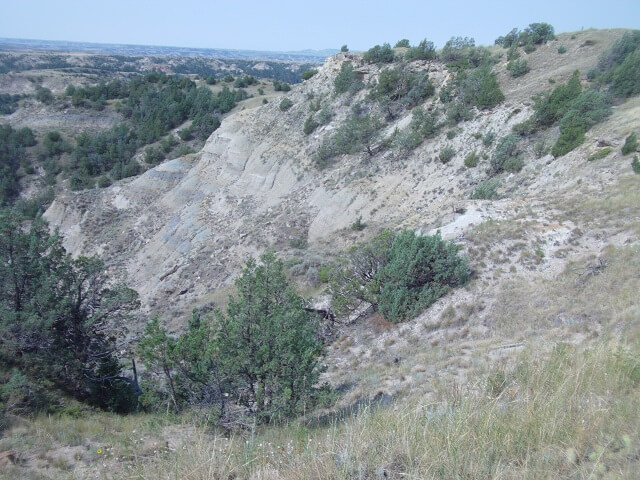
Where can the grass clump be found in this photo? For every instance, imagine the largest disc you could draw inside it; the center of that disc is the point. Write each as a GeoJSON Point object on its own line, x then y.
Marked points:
{"type": "Point", "coordinates": [600, 154]}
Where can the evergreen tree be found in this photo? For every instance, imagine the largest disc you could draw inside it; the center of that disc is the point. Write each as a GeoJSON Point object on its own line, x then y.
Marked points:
{"type": "Point", "coordinates": [268, 343]}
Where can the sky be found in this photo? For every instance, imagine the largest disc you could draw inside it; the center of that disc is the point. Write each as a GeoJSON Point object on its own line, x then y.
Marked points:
{"type": "Point", "coordinates": [297, 25]}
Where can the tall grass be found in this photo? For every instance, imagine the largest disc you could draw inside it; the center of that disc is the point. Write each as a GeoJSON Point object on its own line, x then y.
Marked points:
{"type": "Point", "coordinates": [573, 415]}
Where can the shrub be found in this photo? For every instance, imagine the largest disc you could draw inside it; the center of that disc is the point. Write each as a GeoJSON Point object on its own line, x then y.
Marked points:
{"type": "Point", "coordinates": [513, 53]}
{"type": "Point", "coordinates": [379, 54]}
{"type": "Point", "coordinates": [307, 74]}
{"type": "Point", "coordinates": [62, 318]}
{"type": "Point", "coordinates": [600, 154]}
{"type": "Point", "coordinates": [471, 160]}
{"type": "Point", "coordinates": [419, 270]}
{"type": "Point", "coordinates": [518, 68]}
{"type": "Point", "coordinates": [358, 225]}
{"type": "Point", "coordinates": [344, 49]}
{"type": "Point", "coordinates": [488, 138]}
{"type": "Point", "coordinates": [400, 275]}
{"type": "Point", "coordinates": [588, 109]}
{"type": "Point", "coordinates": [104, 181]}
{"type": "Point", "coordinates": [285, 104]}
{"type": "Point", "coordinates": [423, 125]}
{"type": "Point", "coordinates": [529, 48]}
{"type": "Point", "coordinates": [399, 87]}
{"type": "Point", "coordinates": [506, 156]}
{"type": "Point", "coordinates": [325, 115]}
{"type": "Point", "coordinates": [459, 111]}
{"type": "Point", "coordinates": [347, 80]}
{"type": "Point", "coordinates": [534, 34]}
{"type": "Point", "coordinates": [354, 281]}
{"type": "Point", "coordinates": [620, 66]}
{"type": "Point", "coordinates": [404, 43]}
{"type": "Point", "coordinates": [487, 190]}
{"type": "Point", "coordinates": [424, 51]}
{"type": "Point", "coordinates": [44, 95]}
{"type": "Point", "coordinates": [279, 86]}
{"type": "Point", "coordinates": [357, 134]}
{"type": "Point", "coordinates": [309, 125]}
{"type": "Point", "coordinates": [630, 144]}
{"type": "Point", "coordinates": [635, 164]}
{"type": "Point", "coordinates": [551, 107]}
{"type": "Point", "coordinates": [562, 49]}
{"type": "Point", "coordinates": [456, 48]}
{"type": "Point", "coordinates": [446, 154]}
{"type": "Point", "coordinates": [484, 89]}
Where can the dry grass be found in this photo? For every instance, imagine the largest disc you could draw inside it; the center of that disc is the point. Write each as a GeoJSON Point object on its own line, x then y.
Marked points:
{"type": "Point", "coordinates": [573, 415]}
{"type": "Point", "coordinates": [576, 300]}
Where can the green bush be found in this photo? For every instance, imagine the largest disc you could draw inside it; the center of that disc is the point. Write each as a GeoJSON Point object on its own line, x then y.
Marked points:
{"type": "Point", "coordinates": [62, 319]}
{"type": "Point", "coordinates": [487, 190]}
{"type": "Point", "coordinates": [459, 111]}
{"type": "Point", "coordinates": [398, 274]}
{"type": "Point", "coordinates": [355, 135]}
{"type": "Point", "coordinates": [344, 49]}
{"type": "Point", "coordinates": [518, 68]}
{"type": "Point", "coordinates": [562, 49]}
{"type": "Point", "coordinates": [552, 106]}
{"type": "Point", "coordinates": [307, 74]}
{"type": "Point", "coordinates": [529, 48]}
{"type": "Point", "coordinates": [104, 181]}
{"type": "Point", "coordinates": [285, 104]}
{"type": "Point", "coordinates": [488, 138]}
{"type": "Point", "coordinates": [279, 86]}
{"type": "Point", "coordinates": [272, 374]}
{"type": "Point", "coordinates": [418, 271]}
{"type": "Point", "coordinates": [379, 54]}
{"type": "Point", "coordinates": [44, 95]}
{"type": "Point", "coordinates": [347, 80]}
{"type": "Point", "coordinates": [635, 164]}
{"type": "Point", "coordinates": [507, 156]}
{"type": "Point", "coordinates": [404, 43]}
{"type": "Point", "coordinates": [399, 87]}
{"type": "Point", "coordinates": [513, 53]}
{"type": "Point", "coordinates": [620, 66]}
{"type": "Point", "coordinates": [477, 88]}
{"type": "Point", "coordinates": [600, 154]}
{"type": "Point", "coordinates": [534, 34]}
{"type": "Point", "coordinates": [471, 160]}
{"type": "Point", "coordinates": [630, 144]}
{"type": "Point", "coordinates": [424, 124]}
{"type": "Point", "coordinates": [424, 51]}
{"type": "Point", "coordinates": [309, 125]}
{"type": "Point", "coordinates": [358, 225]}
{"type": "Point", "coordinates": [588, 109]}
{"type": "Point", "coordinates": [446, 154]}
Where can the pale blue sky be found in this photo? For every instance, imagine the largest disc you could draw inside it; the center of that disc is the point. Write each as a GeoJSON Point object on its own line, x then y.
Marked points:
{"type": "Point", "coordinates": [296, 25]}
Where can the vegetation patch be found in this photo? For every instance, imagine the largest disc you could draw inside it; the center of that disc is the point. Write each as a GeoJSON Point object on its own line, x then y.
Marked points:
{"type": "Point", "coordinates": [600, 154]}
{"type": "Point", "coordinates": [398, 274]}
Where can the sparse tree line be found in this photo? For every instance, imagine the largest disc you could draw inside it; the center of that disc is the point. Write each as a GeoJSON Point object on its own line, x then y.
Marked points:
{"type": "Point", "coordinates": [63, 329]}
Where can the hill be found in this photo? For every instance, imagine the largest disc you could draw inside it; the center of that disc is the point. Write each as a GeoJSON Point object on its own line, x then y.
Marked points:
{"type": "Point", "coordinates": [530, 369]}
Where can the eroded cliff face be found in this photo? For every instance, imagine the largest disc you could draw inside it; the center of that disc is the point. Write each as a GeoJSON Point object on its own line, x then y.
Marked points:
{"type": "Point", "coordinates": [179, 233]}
